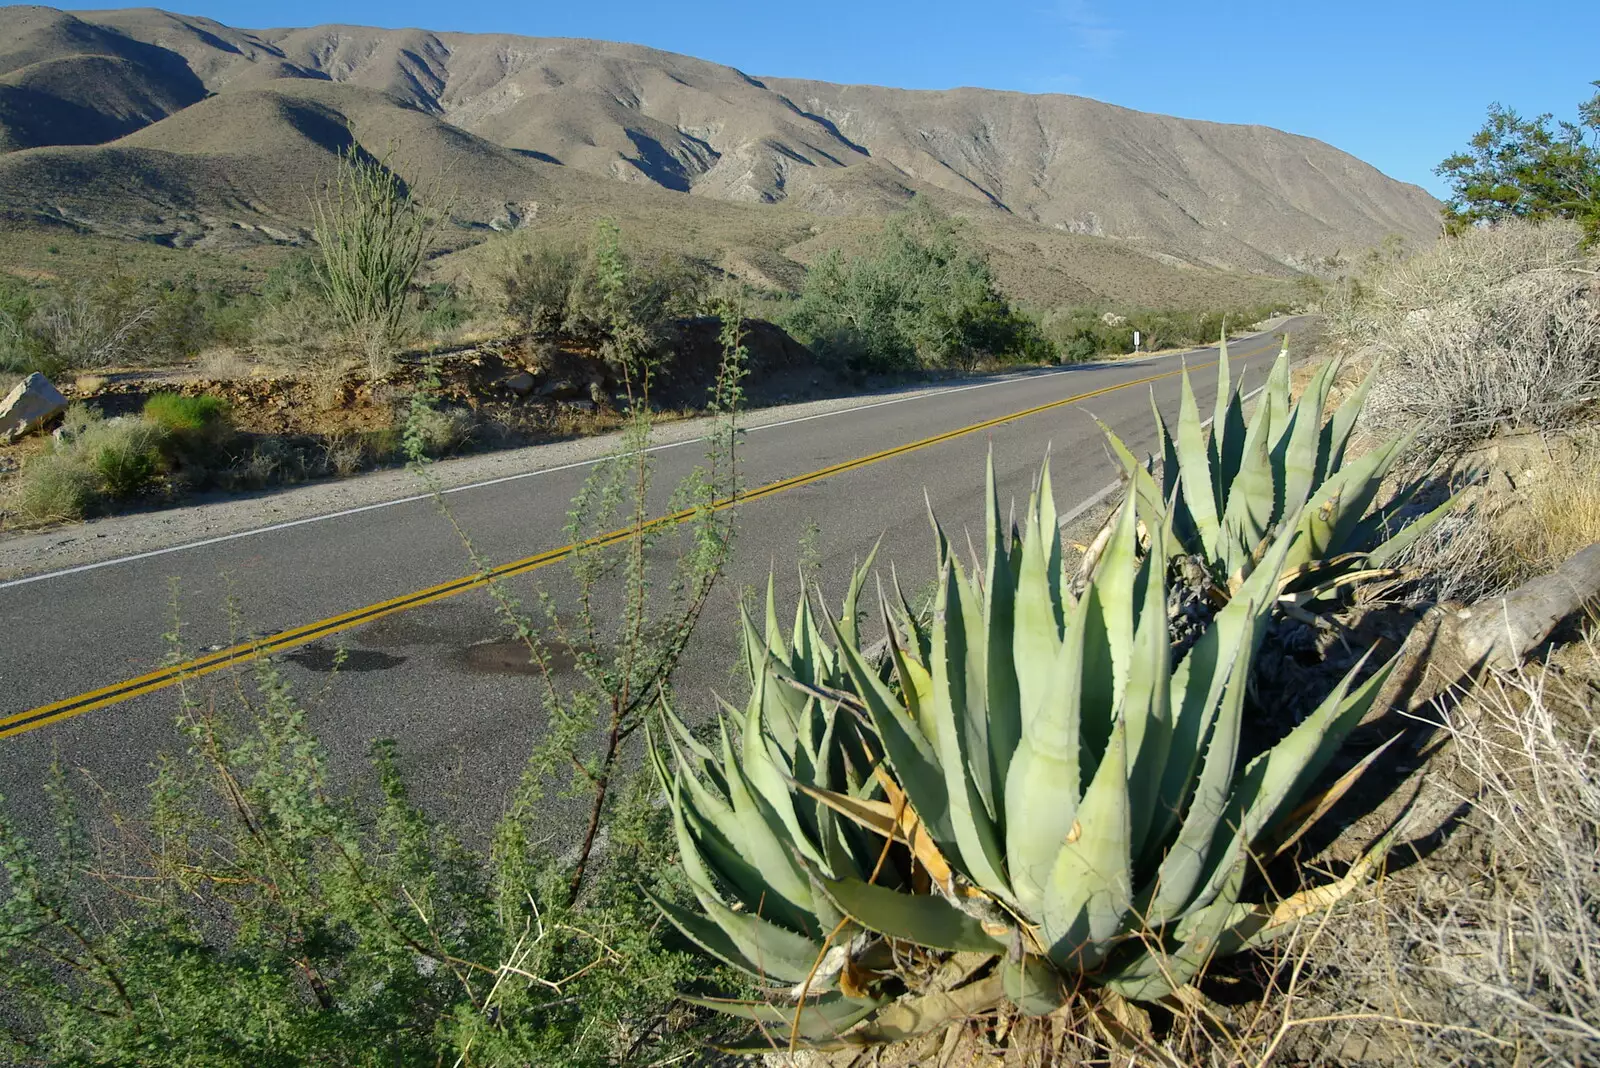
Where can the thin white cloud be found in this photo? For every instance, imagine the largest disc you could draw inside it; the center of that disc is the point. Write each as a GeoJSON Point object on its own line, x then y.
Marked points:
{"type": "Point", "coordinates": [1090, 32]}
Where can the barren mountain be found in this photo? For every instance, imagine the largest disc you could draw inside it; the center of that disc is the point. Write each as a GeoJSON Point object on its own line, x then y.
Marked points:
{"type": "Point", "coordinates": [205, 133]}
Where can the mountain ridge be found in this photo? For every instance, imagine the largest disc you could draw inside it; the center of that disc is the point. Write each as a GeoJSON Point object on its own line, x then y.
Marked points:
{"type": "Point", "coordinates": [521, 120]}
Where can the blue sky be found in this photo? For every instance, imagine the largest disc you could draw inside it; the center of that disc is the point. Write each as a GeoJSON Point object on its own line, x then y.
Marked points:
{"type": "Point", "coordinates": [1401, 84]}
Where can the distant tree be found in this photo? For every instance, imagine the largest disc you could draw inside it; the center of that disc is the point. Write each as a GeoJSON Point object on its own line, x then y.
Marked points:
{"type": "Point", "coordinates": [1519, 168]}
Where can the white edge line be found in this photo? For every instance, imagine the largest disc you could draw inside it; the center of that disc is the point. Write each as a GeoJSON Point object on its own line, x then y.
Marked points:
{"type": "Point", "coordinates": [413, 498]}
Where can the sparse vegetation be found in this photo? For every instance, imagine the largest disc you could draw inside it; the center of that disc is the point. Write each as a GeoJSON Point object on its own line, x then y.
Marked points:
{"type": "Point", "coordinates": [1084, 333]}
{"type": "Point", "coordinates": [552, 289]}
{"type": "Point", "coordinates": [94, 463]}
{"type": "Point", "coordinates": [275, 920]}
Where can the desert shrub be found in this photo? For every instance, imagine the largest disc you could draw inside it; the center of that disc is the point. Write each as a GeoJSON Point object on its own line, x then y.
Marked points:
{"type": "Point", "coordinates": [441, 430]}
{"type": "Point", "coordinates": [1486, 949]}
{"type": "Point", "coordinates": [1496, 328]}
{"type": "Point", "coordinates": [538, 284]}
{"type": "Point", "coordinates": [921, 296]}
{"type": "Point", "coordinates": [280, 922]}
{"type": "Point", "coordinates": [294, 321]}
{"type": "Point", "coordinates": [95, 462]}
{"type": "Point", "coordinates": [442, 309]}
{"type": "Point", "coordinates": [372, 234]}
{"type": "Point", "coordinates": [122, 320]}
{"type": "Point", "coordinates": [584, 290]}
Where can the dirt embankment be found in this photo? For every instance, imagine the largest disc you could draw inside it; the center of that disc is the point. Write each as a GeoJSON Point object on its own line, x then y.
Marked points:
{"type": "Point", "coordinates": [293, 425]}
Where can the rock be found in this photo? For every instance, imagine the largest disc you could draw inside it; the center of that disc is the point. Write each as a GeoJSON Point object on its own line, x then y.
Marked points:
{"type": "Point", "coordinates": [579, 405]}
{"type": "Point", "coordinates": [520, 383]}
{"type": "Point", "coordinates": [561, 389]}
{"type": "Point", "coordinates": [28, 406]}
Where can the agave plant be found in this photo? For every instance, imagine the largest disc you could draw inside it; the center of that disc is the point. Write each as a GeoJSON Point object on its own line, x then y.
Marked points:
{"type": "Point", "coordinates": [757, 852]}
{"type": "Point", "coordinates": [1028, 781]}
{"type": "Point", "coordinates": [1234, 491]}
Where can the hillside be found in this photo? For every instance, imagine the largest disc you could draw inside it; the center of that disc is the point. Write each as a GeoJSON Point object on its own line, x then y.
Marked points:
{"type": "Point", "coordinates": [206, 134]}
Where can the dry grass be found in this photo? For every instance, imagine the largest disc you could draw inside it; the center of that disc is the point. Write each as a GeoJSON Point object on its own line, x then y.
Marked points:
{"type": "Point", "coordinates": [1492, 944]}
{"type": "Point", "coordinates": [1538, 503]}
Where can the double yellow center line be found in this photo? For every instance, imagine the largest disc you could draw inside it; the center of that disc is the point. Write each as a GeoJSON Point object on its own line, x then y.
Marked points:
{"type": "Point", "coordinates": [57, 711]}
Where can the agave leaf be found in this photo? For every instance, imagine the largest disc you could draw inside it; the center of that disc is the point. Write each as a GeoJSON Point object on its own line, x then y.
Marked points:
{"type": "Point", "coordinates": [1277, 777]}
{"type": "Point", "coordinates": [1390, 550]}
{"type": "Point", "coordinates": [1002, 710]}
{"type": "Point", "coordinates": [761, 835]}
{"type": "Point", "coordinates": [970, 642]}
{"type": "Point", "coordinates": [741, 940]}
{"type": "Point", "coordinates": [1339, 505]}
{"type": "Point", "coordinates": [1086, 904]}
{"type": "Point", "coordinates": [1194, 468]}
{"type": "Point", "coordinates": [1042, 788]}
{"type": "Point", "coordinates": [679, 730]}
{"type": "Point", "coordinates": [1295, 456]}
{"type": "Point", "coordinates": [963, 752]}
{"type": "Point", "coordinates": [913, 758]}
{"type": "Point", "coordinates": [1228, 432]}
{"type": "Point", "coordinates": [1249, 926]}
{"type": "Point", "coordinates": [775, 642]}
{"type": "Point", "coordinates": [916, 635]}
{"type": "Point", "coordinates": [1302, 819]}
{"type": "Point", "coordinates": [1036, 635]}
{"type": "Point", "coordinates": [851, 611]}
{"type": "Point", "coordinates": [912, 1016]}
{"type": "Point", "coordinates": [1336, 434]}
{"type": "Point", "coordinates": [1108, 634]}
{"type": "Point", "coordinates": [823, 1017]}
{"type": "Point", "coordinates": [771, 780]}
{"type": "Point", "coordinates": [1198, 690]}
{"type": "Point", "coordinates": [1032, 985]}
{"type": "Point", "coordinates": [1274, 404]}
{"type": "Point", "coordinates": [1224, 399]}
{"type": "Point", "coordinates": [1248, 515]}
{"type": "Point", "coordinates": [1146, 703]}
{"type": "Point", "coordinates": [921, 919]}
{"type": "Point", "coordinates": [1151, 502]}
{"type": "Point", "coordinates": [703, 851]}
{"type": "Point", "coordinates": [1162, 965]}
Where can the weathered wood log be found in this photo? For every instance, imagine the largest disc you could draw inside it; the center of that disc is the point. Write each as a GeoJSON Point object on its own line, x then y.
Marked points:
{"type": "Point", "coordinates": [1500, 631]}
{"type": "Point", "coordinates": [1454, 642]}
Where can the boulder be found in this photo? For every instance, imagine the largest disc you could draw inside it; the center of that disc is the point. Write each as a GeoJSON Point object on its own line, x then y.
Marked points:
{"type": "Point", "coordinates": [520, 383]}
{"type": "Point", "coordinates": [561, 389]}
{"type": "Point", "coordinates": [27, 407]}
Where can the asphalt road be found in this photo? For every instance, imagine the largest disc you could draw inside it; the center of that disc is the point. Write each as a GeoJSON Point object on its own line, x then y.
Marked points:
{"type": "Point", "coordinates": [464, 720]}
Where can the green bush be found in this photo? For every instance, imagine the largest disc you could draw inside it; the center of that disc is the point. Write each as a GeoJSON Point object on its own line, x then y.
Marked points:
{"type": "Point", "coordinates": [96, 461]}
{"type": "Point", "coordinates": [920, 297]}
{"type": "Point", "coordinates": [178, 414]}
